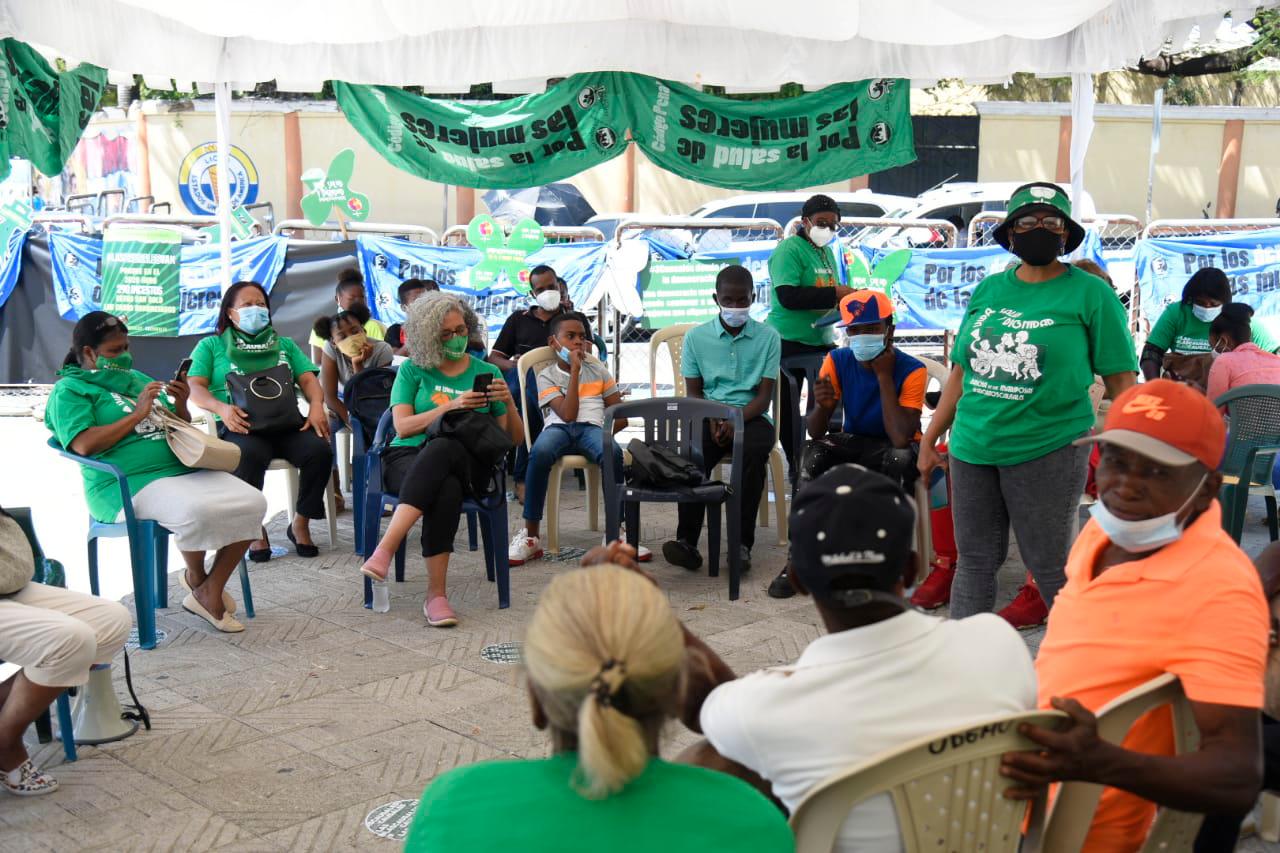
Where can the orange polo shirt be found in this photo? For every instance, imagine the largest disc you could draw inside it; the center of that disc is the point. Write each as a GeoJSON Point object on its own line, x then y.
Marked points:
{"type": "Point", "coordinates": [1194, 608]}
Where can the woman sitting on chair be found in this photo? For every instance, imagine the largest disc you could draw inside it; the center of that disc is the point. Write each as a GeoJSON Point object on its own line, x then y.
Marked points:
{"type": "Point", "coordinates": [246, 343]}
{"type": "Point", "coordinates": [101, 407]}
{"type": "Point", "coordinates": [431, 477]}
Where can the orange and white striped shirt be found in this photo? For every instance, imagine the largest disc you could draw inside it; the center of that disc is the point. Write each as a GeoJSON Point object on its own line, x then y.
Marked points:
{"type": "Point", "coordinates": [595, 382]}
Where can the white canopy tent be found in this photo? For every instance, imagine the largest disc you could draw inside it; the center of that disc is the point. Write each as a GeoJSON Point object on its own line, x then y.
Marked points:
{"type": "Point", "coordinates": [743, 45]}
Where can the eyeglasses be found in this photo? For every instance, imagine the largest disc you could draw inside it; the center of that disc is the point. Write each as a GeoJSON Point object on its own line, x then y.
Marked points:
{"type": "Point", "coordinates": [1056, 224]}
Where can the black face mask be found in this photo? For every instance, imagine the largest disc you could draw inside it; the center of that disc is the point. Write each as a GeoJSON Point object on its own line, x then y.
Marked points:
{"type": "Point", "coordinates": [1038, 247]}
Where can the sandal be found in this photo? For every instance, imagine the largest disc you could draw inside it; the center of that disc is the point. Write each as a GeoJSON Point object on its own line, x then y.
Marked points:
{"type": "Point", "coordinates": [227, 624]}
{"type": "Point", "coordinates": [27, 781]}
{"type": "Point", "coordinates": [228, 603]}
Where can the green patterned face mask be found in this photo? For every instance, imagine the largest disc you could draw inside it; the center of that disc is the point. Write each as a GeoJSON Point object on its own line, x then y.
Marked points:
{"type": "Point", "coordinates": [455, 348]}
{"type": "Point", "coordinates": [123, 361]}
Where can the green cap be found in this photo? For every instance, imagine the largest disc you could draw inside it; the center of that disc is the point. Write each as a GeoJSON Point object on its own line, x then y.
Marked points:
{"type": "Point", "coordinates": [1040, 194]}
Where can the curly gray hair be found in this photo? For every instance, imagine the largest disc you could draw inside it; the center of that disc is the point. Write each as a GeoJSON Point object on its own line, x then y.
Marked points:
{"type": "Point", "coordinates": [422, 327]}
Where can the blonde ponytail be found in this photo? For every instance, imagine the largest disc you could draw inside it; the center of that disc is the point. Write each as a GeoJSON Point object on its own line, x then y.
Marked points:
{"type": "Point", "coordinates": [604, 654]}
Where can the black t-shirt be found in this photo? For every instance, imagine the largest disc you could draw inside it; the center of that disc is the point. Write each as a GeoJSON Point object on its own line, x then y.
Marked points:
{"type": "Point", "coordinates": [525, 331]}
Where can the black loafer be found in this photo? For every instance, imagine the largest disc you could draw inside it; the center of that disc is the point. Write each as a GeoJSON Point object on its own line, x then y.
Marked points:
{"type": "Point", "coordinates": [680, 553]}
{"type": "Point", "coordinates": [780, 587]}
{"type": "Point", "coordinates": [303, 550]}
{"type": "Point", "coordinates": [259, 555]}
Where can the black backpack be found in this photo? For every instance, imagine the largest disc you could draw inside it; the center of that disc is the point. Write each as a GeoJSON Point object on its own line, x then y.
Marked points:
{"type": "Point", "coordinates": [659, 466]}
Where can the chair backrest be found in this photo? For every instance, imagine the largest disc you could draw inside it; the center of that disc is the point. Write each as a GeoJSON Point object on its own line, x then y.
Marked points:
{"type": "Point", "coordinates": [947, 791]}
{"type": "Point", "coordinates": [676, 422]}
{"type": "Point", "coordinates": [531, 362]}
{"type": "Point", "coordinates": [367, 395]}
{"type": "Point", "coordinates": [126, 497]}
{"type": "Point", "coordinates": [672, 337]}
{"type": "Point", "coordinates": [1255, 426]}
{"type": "Point", "coordinates": [1072, 811]}
{"type": "Point", "coordinates": [22, 515]}
{"type": "Point", "coordinates": [937, 372]}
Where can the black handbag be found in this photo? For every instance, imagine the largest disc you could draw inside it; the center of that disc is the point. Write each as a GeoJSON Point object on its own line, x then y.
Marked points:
{"type": "Point", "coordinates": [660, 467]}
{"type": "Point", "coordinates": [486, 445]}
{"type": "Point", "coordinates": [267, 396]}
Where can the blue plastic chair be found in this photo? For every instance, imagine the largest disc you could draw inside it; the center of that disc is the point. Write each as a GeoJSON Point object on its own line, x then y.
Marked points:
{"type": "Point", "coordinates": [51, 573]}
{"type": "Point", "coordinates": [148, 552]}
{"type": "Point", "coordinates": [366, 395]}
{"type": "Point", "coordinates": [491, 512]}
{"type": "Point", "coordinates": [1254, 440]}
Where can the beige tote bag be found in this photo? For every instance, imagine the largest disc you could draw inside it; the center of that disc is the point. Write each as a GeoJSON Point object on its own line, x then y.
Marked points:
{"type": "Point", "coordinates": [194, 447]}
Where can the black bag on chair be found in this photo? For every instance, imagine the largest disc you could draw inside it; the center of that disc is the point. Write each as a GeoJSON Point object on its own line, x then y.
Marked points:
{"type": "Point", "coordinates": [659, 467]}
{"type": "Point", "coordinates": [267, 396]}
{"type": "Point", "coordinates": [486, 445]}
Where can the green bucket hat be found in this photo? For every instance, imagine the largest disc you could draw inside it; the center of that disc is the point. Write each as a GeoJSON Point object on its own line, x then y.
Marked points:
{"type": "Point", "coordinates": [1039, 197]}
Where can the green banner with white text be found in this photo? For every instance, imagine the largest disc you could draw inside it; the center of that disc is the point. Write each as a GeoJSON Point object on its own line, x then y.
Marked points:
{"type": "Point", "coordinates": [840, 132]}
{"type": "Point", "coordinates": [140, 278]}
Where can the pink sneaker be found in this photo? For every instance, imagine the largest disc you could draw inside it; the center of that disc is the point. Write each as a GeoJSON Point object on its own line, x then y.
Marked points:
{"type": "Point", "coordinates": [438, 612]}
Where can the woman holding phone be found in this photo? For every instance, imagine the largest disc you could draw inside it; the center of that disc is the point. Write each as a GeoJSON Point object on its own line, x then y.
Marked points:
{"type": "Point", "coordinates": [430, 477]}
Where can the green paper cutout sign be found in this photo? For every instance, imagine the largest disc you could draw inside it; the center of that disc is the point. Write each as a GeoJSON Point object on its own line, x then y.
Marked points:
{"type": "Point", "coordinates": [242, 223]}
{"type": "Point", "coordinates": [16, 215]}
{"type": "Point", "coordinates": [502, 253]}
{"type": "Point", "coordinates": [882, 276]}
{"type": "Point", "coordinates": [328, 190]}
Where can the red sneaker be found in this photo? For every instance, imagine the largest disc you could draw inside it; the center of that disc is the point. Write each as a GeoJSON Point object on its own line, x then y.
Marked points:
{"type": "Point", "coordinates": [936, 589]}
{"type": "Point", "coordinates": [1027, 610]}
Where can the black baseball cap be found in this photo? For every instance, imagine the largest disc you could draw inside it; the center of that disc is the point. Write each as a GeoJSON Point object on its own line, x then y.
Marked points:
{"type": "Point", "coordinates": [819, 203]}
{"type": "Point", "coordinates": [851, 522]}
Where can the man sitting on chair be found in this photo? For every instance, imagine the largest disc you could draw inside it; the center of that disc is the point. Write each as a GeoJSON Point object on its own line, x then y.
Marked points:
{"type": "Point", "coordinates": [883, 675]}
{"type": "Point", "coordinates": [881, 390]}
{"type": "Point", "coordinates": [1154, 585]}
{"type": "Point", "coordinates": [732, 360]}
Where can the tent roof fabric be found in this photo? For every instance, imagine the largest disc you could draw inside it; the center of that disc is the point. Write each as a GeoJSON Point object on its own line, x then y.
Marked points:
{"type": "Point", "coordinates": [741, 44]}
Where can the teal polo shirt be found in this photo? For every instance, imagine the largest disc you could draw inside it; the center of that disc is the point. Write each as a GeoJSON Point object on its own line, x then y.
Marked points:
{"type": "Point", "coordinates": [730, 366]}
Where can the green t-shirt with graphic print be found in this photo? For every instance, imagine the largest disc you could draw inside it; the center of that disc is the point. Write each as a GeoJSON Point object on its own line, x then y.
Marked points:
{"type": "Point", "coordinates": [213, 360]}
{"type": "Point", "coordinates": [425, 389]}
{"type": "Point", "coordinates": [796, 262]}
{"type": "Point", "coordinates": [1180, 331]}
{"type": "Point", "coordinates": [1029, 354]}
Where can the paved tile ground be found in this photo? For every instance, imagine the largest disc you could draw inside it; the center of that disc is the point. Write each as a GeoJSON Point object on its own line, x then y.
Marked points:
{"type": "Point", "coordinates": [286, 736]}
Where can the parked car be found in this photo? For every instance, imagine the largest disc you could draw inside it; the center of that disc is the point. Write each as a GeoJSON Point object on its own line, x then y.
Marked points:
{"type": "Point", "coordinates": [782, 207]}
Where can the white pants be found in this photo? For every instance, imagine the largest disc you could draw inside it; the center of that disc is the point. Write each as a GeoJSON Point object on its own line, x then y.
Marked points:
{"type": "Point", "coordinates": [56, 634]}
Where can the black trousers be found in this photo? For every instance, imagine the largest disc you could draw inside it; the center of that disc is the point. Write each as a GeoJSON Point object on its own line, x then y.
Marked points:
{"type": "Point", "coordinates": [757, 442]}
{"type": "Point", "coordinates": [1220, 832]}
{"type": "Point", "coordinates": [873, 452]}
{"type": "Point", "coordinates": [306, 451]}
{"type": "Point", "coordinates": [430, 478]}
{"type": "Point", "coordinates": [786, 417]}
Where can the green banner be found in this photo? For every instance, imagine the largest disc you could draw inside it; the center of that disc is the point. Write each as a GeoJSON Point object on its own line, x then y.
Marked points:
{"type": "Point", "coordinates": [43, 111]}
{"type": "Point", "coordinates": [679, 291]}
{"type": "Point", "coordinates": [140, 278]}
{"type": "Point", "coordinates": [523, 142]}
{"type": "Point", "coordinates": [828, 136]}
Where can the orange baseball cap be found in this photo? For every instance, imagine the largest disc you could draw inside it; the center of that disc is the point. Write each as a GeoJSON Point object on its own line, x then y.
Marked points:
{"type": "Point", "coordinates": [1172, 423]}
{"type": "Point", "coordinates": [859, 308]}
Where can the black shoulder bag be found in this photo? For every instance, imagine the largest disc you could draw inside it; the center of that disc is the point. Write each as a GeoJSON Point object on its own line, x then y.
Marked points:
{"type": "Point", "coordinates": [486, 445]}
{"type": "Point", "coordinates": [268, 398]}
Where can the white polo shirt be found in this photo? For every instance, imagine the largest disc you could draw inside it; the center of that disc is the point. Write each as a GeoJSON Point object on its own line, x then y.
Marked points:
{"type": "Point", "coordinates": [856, 693]}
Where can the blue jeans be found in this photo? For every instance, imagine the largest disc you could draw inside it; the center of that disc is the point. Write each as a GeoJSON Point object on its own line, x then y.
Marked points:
{"type": "Point", "coordinates": [555, 441]}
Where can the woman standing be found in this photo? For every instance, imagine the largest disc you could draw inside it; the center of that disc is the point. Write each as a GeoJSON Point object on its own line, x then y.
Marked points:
{"type": "Point", "coordinates": [431, 477]}
{"type": "Point", "coordinates": [101, 407]}
{"type": "Point", "coordinates": [245, 344]}
{"type": "Point", "coordinates": [1032, 339]}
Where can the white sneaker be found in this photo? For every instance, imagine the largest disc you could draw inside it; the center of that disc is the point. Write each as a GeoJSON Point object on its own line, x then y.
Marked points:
{"type": "Point", "coordinates": [524, 549]}
{"type": "Point", "coordinates": [643, 554]}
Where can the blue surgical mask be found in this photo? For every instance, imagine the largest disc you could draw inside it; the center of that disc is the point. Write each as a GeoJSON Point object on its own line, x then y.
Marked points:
{"type": "Point", "coordinates": [866, 347]}
{"type": "Point", "coordinates": [735, 318]}
{"type": "Point", "coordinates": [1206, 315]}
{"type": "Point", "coordinates": [253, 319]}
{"type": "Point", "coordinates": [1148, 534]}
{"type": "Point", "coordinates": [565, 355]}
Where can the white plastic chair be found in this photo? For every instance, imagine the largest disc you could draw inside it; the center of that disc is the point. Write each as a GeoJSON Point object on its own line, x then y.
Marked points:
{"type": "Point", "coordinates": [1072, 811]}
{"type": "Point", "coordinates": [947, 791]}
{"type": "Point", "coordinates": [672, 337]}
{"type": "Point", "coordinates": [535, 360]}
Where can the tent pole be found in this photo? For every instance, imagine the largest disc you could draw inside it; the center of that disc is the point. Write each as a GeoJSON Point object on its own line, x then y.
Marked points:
{"type": "Point", "coordinates": [1082, 105]}
{"type": "Point", "coordinates": [222, 116]}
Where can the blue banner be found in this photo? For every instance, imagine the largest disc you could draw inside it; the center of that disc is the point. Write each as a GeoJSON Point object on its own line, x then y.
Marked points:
{"type": "Point", "coordinates": [12, 263]}
{"type": "Point", "coordinates": [1251, 260]}
{"type": "Point", "coordinates": [387, 262]}
{"type": "Point", "coordinates": [77, 279]}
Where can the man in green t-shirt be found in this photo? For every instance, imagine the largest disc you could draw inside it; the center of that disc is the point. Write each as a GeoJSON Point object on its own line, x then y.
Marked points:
{"type": "Point", "coordinates": [804, 287]}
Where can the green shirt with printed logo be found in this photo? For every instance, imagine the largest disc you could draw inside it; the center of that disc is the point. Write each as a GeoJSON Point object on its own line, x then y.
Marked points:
{"type": "Point", "coordinates": [1029, 354]}
{"type": "Point", "coordinates": [425, 389]}
{"type": "Point", "coordinates": [212, 360]}
{"type": "Point", "coordinates": [796, 262]}
{"type": "Point", "coordinates": [1180, 331]}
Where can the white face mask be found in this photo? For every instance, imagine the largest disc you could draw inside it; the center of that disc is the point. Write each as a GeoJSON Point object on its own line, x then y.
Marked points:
{"type": "Point", "coordinates": [548, 300]}
{"type": "Point", "coordinates": [1206, 315]}
{"type": "Point", "coordinates": [1148, 534]}
{"type": "Point", "coordinates": [820, 236]}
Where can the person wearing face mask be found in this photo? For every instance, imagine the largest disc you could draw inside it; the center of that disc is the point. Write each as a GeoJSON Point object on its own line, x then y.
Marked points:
{"type": "Point", "coordinates": [731, 359]}
{"type": "Point", "coordinates": [246, 343]}
{"type": "Point", "coordinates": [101, 407]}
{"type": "Point", "coordinates": [349, 293]}
{"type": "Point", "coordinates": [431, 476]}
{"type": "Point", "coordinates": [805, 286]}
{"type": "Point", "coordinates": [1154, 586]}
{"type": "Point", "coordinates": [1183, 327]}
{"type": "Point", "coordinates": [1032, 339]}
{"type": "Point", "coordinates": [1238, 360]}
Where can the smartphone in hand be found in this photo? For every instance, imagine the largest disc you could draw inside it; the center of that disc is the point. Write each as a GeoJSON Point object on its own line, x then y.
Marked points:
{"type": "Point", "coordinates": [183, 369]}
{"type": "Point", "coordinates": [480, 384]}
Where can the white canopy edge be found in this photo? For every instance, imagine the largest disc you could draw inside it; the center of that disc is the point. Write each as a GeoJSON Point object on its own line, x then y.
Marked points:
{"type": "Point", "coordinates": [744, 44]}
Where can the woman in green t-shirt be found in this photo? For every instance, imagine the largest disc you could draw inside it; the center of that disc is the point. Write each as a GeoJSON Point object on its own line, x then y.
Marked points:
{"type": "Point", "coordinates": [1031, 341]}
{"type": "Point", "coordinates": [246, 343]}
{"type": "Point", "coordinates": [431, 477]}
{"type": "Point", "coordinates": [101, 407]}
{"type": "Point", "coordinates": [604, 656]}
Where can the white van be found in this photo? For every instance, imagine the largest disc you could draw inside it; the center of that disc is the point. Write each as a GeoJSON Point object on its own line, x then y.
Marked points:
{"type": "Point", "coordinates": [782, 207]}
